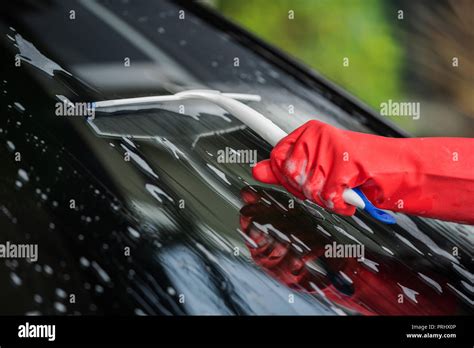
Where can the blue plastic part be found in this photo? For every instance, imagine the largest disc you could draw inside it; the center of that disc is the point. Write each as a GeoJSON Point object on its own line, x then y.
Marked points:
{"type": "Point", "coordinates": [376, 213]}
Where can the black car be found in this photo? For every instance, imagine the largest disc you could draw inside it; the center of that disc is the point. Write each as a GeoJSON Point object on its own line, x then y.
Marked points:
{"type": "Point", "coordinates": [136, 217]}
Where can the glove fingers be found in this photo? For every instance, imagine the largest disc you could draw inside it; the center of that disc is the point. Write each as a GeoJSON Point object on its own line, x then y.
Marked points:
{"type": "Point", "coordinates": [314, 185]}
{"type": "Point", "coordinates": [301, 160]}
{"type": "Point", "coordinates": [282, 151]}
{"type": "Point", "coordinates": [332, 197]}
{"type": "Point", "coordinates": [283, 181]}
{"type": "Point", "coordinates": [263, 172]}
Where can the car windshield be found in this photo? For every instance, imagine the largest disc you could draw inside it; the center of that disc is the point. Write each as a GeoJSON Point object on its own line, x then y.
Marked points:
{"type": "Point", "coordinates": [135, 212]}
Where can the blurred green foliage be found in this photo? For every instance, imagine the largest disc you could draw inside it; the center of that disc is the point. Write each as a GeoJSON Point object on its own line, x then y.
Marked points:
{"type": "Point", "coordinates": [323, 32]}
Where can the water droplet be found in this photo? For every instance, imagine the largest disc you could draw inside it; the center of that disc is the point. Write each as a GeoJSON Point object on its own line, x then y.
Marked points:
{"type": "Point", "coordinates": [19, 107]}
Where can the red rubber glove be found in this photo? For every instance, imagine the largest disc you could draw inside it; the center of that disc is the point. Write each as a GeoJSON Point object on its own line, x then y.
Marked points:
{"type": "Point", "coordinates": [432, 177]}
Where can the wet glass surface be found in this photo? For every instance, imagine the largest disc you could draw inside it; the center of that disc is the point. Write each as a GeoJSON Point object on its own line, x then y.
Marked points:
{"type": "Point", "coordinates": [173, 230]}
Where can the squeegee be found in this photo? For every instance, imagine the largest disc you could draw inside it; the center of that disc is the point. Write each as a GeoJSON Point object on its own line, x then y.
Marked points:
{"type": "Point", "coordinates": [264, 127]}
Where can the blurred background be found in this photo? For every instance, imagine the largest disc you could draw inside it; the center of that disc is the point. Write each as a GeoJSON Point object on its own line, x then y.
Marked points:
{"type": "Point", "coordinates": [399, 50]}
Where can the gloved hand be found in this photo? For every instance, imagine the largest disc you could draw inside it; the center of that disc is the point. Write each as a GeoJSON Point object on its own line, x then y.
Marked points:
{"type": "Point", "coordinates": [431, 177]}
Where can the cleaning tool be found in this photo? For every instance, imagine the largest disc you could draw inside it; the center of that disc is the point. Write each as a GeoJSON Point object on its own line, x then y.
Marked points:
{"type": "Point", "coordinates": [264, 127]}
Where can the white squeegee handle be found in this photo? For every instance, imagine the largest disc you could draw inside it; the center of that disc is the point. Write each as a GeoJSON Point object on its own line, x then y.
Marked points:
{"type": "Point", "coordinates": [173, 97]}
